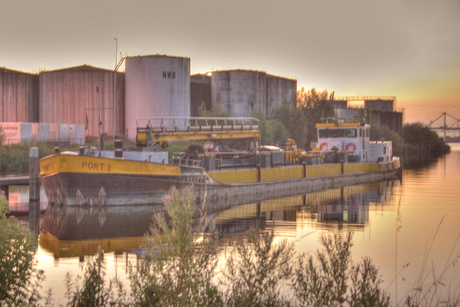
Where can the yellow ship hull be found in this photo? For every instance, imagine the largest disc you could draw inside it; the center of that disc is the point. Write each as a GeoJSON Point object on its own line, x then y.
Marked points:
{"type": "Point", "coordinates": [89, 180]}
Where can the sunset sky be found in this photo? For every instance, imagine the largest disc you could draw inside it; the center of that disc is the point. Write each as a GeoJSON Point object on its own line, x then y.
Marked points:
{"type": "Point", "coordinates": [404, 48]}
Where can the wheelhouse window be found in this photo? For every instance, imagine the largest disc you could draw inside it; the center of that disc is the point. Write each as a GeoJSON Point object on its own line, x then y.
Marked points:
{"type": "Point", "coordinates": [337, 133]}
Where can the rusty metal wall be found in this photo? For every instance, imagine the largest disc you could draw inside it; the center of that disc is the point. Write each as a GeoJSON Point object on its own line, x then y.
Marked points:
{"type": "Point", "coordinates": [69, 96]}
{"type": "Point", "coordinates": [18, 96]}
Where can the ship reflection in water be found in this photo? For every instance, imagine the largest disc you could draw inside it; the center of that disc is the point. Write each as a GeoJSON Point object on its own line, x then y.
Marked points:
{"type": "Point", "coordinates": [79, 231]}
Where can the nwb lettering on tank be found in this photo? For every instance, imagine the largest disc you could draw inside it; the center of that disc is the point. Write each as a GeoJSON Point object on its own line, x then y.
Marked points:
{"type": "Point", "coordinates": [169, 74]}
{"type": "Point", "coordinates": [95, 166]}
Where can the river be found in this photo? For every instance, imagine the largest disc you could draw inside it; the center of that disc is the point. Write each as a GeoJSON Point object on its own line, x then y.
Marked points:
{"type": "Point", "coordinates": [399, 223]}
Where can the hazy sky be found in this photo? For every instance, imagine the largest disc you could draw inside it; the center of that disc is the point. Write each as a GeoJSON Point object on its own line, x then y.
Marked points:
{"type": "Point", "coordinates": [405, 48]}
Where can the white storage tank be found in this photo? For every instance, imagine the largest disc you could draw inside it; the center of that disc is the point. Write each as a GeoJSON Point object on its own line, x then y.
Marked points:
{"type": "Point", "coordinates": [156, 86]}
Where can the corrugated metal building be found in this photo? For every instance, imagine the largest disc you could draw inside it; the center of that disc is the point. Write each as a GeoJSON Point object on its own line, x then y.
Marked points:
{"type": "Point", "coordinates": [69, 96]}
{"type": "Point", "coordinates": [19, 96]}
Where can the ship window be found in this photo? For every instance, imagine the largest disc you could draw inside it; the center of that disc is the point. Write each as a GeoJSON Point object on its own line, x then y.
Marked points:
{"type": "Point", "coordinates": [337, 133]}
{"type": "Point", "coordinates": [367, 133]}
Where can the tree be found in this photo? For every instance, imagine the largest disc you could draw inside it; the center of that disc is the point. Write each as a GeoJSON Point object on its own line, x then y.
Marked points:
{"type": "Point", "coordinates": [311, 98]}
{"type": "Point", "coordinates": [315, 106]}
{"type": "Point", "coordinates": [384, 132]}
{"type": "Point", "coordinates": [417, 135]}
{"type": "Point", "coordinates": [272, 130]}
{"type": "Point", "coordinates": [293, 120]}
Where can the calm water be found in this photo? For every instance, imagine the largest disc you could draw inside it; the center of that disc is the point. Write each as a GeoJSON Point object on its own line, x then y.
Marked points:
{"type": "Point", "coordinates": [423, 201]}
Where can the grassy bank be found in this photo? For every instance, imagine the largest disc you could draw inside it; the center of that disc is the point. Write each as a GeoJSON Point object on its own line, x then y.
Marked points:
{"type": "Point", "coordinates": [14, 159]}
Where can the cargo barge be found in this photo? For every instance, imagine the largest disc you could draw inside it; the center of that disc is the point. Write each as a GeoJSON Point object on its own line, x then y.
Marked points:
{"type": "Point", "coordinates": [344, 156]}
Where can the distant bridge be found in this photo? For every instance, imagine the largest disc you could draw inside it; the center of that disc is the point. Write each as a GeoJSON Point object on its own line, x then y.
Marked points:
{"type": "Point", "coordinates": [445, 127]}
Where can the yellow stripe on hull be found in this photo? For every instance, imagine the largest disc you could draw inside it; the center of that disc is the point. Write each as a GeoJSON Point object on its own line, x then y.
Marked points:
{"type": "Point", "coordinates": [97, 165]}
{"type": "Point", "coordinates": [360, 167]}
{"type": "Point", "coordinates": [282, 173]}
{"type": "Point", "coordinates": [235, 176]}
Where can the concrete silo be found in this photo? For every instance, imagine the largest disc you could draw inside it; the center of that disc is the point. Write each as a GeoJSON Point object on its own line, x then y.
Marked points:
{"type": "Point", "coordinates": [69, 96]}
{"type": "Point", "coordinates": [239, 91]}
{"type": "Point", "coordinates": [18, 96]}
{"type": "Point", "coordinates": [279, 91]}
{"type": "Point", "coordinates": [200, 92]}
{"type": "Point", "coordinates": [156, 86]}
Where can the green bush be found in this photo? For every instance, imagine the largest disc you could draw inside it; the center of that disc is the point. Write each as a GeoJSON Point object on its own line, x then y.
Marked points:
{"type": "Point", "coordinates": [257, 270]}
{"type": "Point", "coordinates": [21, 281]}
{"type": "Point", "coordinates": [331, 279]}
{"type": "Point", "coordinates": [92, 289]}
{"type": "Point", "coordinates": [421, 137]}
{"type": "Point", "coordinates": [383, 132]}
{"type": "Point", "coordinates": [181, 266]}
{"type": "Point", "coordinates": [14, 158]}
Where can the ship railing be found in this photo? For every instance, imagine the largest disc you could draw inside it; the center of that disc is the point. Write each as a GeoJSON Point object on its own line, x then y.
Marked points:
{"type": "Point", "coordinates": [188, 124]}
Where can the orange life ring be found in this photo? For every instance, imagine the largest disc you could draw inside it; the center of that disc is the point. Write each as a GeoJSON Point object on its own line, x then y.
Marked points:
{"type": "Point", "coordinates": [352, 145]}
{"type": "Point", "coordinates": [321, 146]}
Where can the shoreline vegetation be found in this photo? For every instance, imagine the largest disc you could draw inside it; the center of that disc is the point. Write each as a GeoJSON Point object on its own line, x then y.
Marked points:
{"type": "Point", "coordinates": [181, 269]}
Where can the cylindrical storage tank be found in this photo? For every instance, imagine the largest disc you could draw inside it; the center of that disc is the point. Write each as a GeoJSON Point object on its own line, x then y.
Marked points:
{"type": "Point", "coordinates": [69, 96]}
{"type": "Point", "coordinates": [279, 91]}
{"type": "Point", "coordinates": [156, 86]}
{"type": "Point", "coordinates": [239, 91]}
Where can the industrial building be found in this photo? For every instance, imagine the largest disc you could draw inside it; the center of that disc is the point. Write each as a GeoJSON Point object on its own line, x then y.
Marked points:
{"type": "Point", "coordinates": [65, 100]}
{"type": "Point", "coordinates": [240, 91]}
{"type": "Point", "coordinates": [19, 101]}
{"type": "Point", "coordinates": [151, 86]}
{"type": "Point", "coordinates": [382, 110]}
{"type": "Point", "coordinates": [82, 95]}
